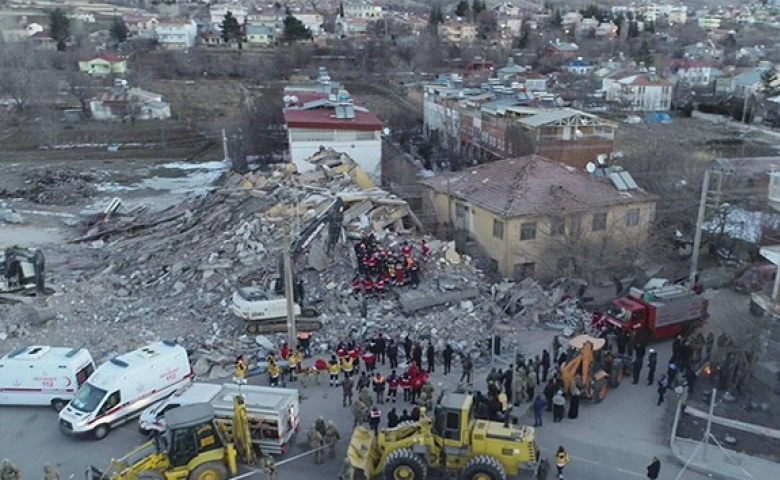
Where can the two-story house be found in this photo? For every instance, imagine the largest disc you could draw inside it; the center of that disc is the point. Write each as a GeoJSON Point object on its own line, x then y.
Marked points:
{"type": "Point", "coordinates": [532, 216]}
{"type": "Point", "coordinates": [178, 34]}
{"type": "Point", "coordinates": [458, 32]}
{"type": "Point", "coordinates": [638, 91]}
{"type": "Point", "coordinates": [261, 36]}
{"type": "Point", "coordinates": [694, 72]}
{"type": "Point", "coordinates": [140, 25]}
{"type": "Point", "coordinates": [217, 14]}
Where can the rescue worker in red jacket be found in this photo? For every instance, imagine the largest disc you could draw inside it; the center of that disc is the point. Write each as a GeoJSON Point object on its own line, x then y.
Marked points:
{"type": "Point", "coordinates": [368, 286]}
{"type": "Point", "coordinates": [380, 287]}
{"type": "Point", "coordinates": [369, 359]}
{"type": "Point", "coordinates": [426, 251]}
{"type": "Point", "coordinates": [417, 385]}
{"type": "Point", "coordinates": [399, 273]}
{"type": "Point", "coordinates": [393, 382]}
{"type": "Point", "coordinates": [357, 286]}
{"type": "Point", "coordinates": [354, 352]}
{"type": "Point", "coordinates": [407, 249]}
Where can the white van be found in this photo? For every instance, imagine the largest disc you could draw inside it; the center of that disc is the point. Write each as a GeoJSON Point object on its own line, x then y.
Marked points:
{"type": "Point", "coordinates": [153, 418]}
{"type": "Point", "coordinates": [41, 375]}
{"type": "Point", "coordinates": [125, 385]}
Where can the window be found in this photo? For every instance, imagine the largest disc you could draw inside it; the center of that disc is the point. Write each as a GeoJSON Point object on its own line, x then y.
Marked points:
{"type": "Point", "coordinates": [557, 227]}
{"type": "Point", "coordinates": [528, 231]}
{"type": "Point", "coordinates": [111, 402]}
{"type": "Point", "coordinates": [524, 270]}
{"type": "Point", "coordinates": [599, 222]}
{"type": "Point", "coordinates": [632, 217]}
{"type": "Point", "coordinates": [493, 265]}
{"type": "Point", "coordinates": [83, 374]}
{"type": "Point", "coordinates": [575, 226]}
{"type": "Point", "coordinates": [498, 228]}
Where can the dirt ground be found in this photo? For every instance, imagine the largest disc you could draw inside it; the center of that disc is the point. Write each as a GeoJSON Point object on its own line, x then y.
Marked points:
{"type": "Point", "coordinates": [752, 444]}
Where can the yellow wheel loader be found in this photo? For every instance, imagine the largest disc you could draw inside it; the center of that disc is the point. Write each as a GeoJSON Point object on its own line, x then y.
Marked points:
{"type": "Point", "coordinates": [193, 447]}
{"type": "Point", "coordinates": [453, 441]}
{"type": "Point", "coordinates": [597, 370]}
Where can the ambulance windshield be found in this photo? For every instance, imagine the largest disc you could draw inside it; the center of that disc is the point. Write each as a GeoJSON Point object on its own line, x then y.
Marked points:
{"type": "Point", "coordinates": [88, 398]}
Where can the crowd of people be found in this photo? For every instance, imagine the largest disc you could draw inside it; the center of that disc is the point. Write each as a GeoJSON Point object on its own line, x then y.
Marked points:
{"type": "Point", "coordinates": [381, 268]}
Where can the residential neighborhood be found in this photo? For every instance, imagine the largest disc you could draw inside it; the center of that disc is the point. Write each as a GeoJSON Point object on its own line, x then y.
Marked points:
{"type": "Point", "coordinates": [546, 198]}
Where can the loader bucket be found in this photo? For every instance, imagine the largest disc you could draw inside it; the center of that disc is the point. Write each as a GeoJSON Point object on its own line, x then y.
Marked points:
{"type": "Point", "coordinates": [361, 452]}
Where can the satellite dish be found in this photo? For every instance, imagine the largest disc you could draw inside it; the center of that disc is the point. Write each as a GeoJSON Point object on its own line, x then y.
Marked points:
{"type": "Point", "coordinates": [386, 131]}
{"type": "Point", "coordinates": [602, 159]}
{"type": "Point", "coordinates": [578, 133]}
{"type": "Point", "coordinates": [286, 99]}
{"type": "Point", "coordinates": [590, 167]}
{"type": "Point", "coordinates": [293, 99]}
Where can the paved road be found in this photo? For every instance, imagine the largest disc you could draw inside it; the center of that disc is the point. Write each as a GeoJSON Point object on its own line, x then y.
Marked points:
{"type": "Point", "coordinates": [614, 440]}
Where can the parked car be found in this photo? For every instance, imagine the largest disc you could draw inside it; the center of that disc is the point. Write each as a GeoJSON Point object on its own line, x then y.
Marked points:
{"type": "Point", "coordinates": [755, 278]}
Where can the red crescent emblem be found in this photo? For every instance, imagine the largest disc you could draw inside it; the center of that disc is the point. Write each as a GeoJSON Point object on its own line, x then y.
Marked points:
{"type": "Point", "coordinates": [69, 382]}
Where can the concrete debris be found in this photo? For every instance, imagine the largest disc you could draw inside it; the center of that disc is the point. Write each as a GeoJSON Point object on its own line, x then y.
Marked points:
{"type": "Point", "coordinates": [171, 274]}
{"type": "Point", "coordinates": [9, 215]}
{"type": "Point", "coordinates": [54, 186]}
{"type": "Point", "coordinates": [556, 306]}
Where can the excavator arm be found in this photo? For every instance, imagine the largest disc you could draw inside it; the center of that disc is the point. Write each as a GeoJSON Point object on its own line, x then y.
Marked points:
{"type": "Point", "coordinates": [242, 436]}
{"type": "Point", "coordinates": [332, 217]}
{"type": "Point", "coordinates": [582, 364]}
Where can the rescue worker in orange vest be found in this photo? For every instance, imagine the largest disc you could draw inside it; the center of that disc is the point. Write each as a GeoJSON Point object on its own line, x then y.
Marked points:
{"type": "Point", "coordinates": [296, 359]}
{"type": "Point", "coordinates": [334, 368]}
{"type": "Point", "coordinates": [347, 366]}
{"type": "Point", "coordinates": [240, 370]}
{"type": "Point", "coordinates": [379, 387]}
{"type": "Point", "coordinates": [274, 372]}
{"type": "Point", "coordinates": [304, 338]}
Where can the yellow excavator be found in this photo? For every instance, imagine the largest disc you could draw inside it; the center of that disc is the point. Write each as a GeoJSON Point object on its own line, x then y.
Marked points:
{"type": "Point", "coordinates": [193, 447]}
{"type": "Point", "coordinates": [597, 370]}
{"type": "Point", "coordinates": [452, 442]}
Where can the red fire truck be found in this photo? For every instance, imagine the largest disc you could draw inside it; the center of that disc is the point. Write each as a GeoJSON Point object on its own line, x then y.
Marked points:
{"type": "Point", "coordinates": [655, 313]}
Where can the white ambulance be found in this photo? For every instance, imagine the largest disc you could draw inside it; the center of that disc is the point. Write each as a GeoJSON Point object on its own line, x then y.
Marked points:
{"type": "Point", "coordinates": [41, 375]}
{"type": "Point", "coordinates": [121, 388]}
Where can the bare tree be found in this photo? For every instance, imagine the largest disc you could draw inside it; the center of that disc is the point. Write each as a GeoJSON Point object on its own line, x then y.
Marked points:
{"type": "Point", "coordinates": [81, 87]}
{"type": "Point", "coordinates": [48, 125]}
{"type": "Point", "coordinates": [17, 67]}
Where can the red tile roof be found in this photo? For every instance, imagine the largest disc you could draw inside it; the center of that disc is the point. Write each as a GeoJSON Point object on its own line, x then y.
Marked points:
{"type": "Point", "coordinates": [109, 57]}
{"type": "Point", "coordinates": [41, 36]}
{"type": "Point", "coordinates": [533, 186]}
{"type": "Point", "coordinates": [326, 118]}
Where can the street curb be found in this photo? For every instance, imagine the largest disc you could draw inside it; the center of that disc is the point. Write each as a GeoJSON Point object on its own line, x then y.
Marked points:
{"type": "Point", "coordinates": [696, 468]}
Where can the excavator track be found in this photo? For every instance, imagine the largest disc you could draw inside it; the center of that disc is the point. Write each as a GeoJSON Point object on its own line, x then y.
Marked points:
{"type": "Point", "coordinates": [261, 327]}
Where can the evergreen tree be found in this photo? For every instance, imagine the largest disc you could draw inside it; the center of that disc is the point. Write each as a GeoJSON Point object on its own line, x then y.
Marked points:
{"type": "Point", "coordinates": [477, 7]}
{"type": "Point", "coordinates": [341, 9]}
{"type": "Point", "coordinates": [59, 25]}
{"type": "Point", "coordinates": [437, 17]}
{"type": "Point", "coordinates": [294, 29]}
{"type": "Point", "coordinates": [644, 56]}
{"type": "Point", "coordinates": [231, 29]}
{"type": "Point", "coordinates": [462, 9]}
{"type": "Point", "coordinates": [557, 19]}
{"type": "Point", "coordinates": [119, 30]}
{"type": "Point", "coordinates": [521, 41]}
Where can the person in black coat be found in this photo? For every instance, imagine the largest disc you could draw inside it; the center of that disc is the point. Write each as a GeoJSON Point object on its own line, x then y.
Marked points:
{"type": "Point", "coordinates": [654, 469]}
{"type": "Point", "coordinates": [430, 356]}
{"type": "Point", "coordinates": [545, 364]}
{"type": "Point", "coordinates": [447, 356]}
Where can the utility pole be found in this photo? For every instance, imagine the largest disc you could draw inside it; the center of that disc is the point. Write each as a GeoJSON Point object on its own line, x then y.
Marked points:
{"type": "Point", "coordinates": [699, 225]}
{"type": "Point", "coordinates": [225, 152]}
{"type": "Point", "coordinates": [292, 333]}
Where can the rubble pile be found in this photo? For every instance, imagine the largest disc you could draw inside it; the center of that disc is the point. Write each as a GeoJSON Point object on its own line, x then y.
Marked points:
{"type": "Point", "coordinates": [55, 185]}
{"type": "Point", "coordinates": [555, 306]}
{"type": "Point", "coordinates": [135, 276]}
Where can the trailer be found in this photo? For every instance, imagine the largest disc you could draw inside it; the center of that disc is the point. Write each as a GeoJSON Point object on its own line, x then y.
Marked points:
{"type": "Point", "coordinates": [274, 414]}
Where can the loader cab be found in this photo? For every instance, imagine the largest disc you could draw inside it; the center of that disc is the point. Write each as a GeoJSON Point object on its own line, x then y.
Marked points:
{"type": "Point", "coordinates": [191, 432]}
{"type": "Point", "coordinates": [452, 418]}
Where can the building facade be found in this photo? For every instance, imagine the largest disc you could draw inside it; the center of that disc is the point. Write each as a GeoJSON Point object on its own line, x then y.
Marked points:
{"type": "Point", "coordinates": [535, 217]}
{"type": "Point", "coordinates": [324, 115]}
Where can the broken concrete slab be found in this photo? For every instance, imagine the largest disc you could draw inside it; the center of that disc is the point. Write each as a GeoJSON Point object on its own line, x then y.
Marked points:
{"type": "Point", "coordinates": [411, 301]}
